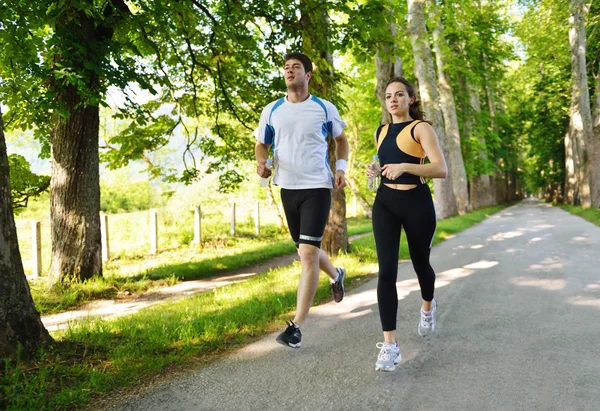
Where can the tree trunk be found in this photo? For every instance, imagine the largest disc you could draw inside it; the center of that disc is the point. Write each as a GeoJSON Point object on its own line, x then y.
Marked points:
{"type": "Point", "coordinates": [20, 322]}
{"type": "Point", "coordinates": [424, 71]}
{"type": "Point", "coordinates": [315, 42]}
{"type": "Point", "coordinates": [384, 69]}
{"type": "Point", "coordinates": [75, 185]}
{"type": "Point", "coordinates": [480, 184]}
{"type": "Point", "coordinates": [276, 205]}
{"type": "Point", "coordinates": [458, 173]}
{"type": "Point", "coordinates": [388, 64]}
{"type": "Point", "coordinates": [363, 203]}
{"type": "Point", "coordinates": [595, 147]}
{"type": "Point", "coordinates": [580, 124]}
{"type": "Point", "coordinates": [491, 198]}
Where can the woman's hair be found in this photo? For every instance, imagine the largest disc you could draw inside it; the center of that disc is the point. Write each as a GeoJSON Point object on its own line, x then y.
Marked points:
{"type": "Point", "coordinates": [414, 110]}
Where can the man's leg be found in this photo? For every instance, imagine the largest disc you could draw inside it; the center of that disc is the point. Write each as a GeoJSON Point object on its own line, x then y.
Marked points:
{"type": "Point", "coordinates": [309, 280]}
{"type": "Point", "coordinates": [326, 266]}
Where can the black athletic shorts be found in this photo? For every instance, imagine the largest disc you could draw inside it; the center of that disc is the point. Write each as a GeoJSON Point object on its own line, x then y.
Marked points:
{"type": "Point", "coordinates": [306, 212]}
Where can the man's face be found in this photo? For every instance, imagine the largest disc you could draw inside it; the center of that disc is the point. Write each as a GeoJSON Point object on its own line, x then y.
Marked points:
{"type": "Point", "coordinates": [294, 74]}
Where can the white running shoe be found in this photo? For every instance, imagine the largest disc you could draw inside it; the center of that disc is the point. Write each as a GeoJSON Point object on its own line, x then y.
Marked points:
{"type": "Point", "coordinates": [388, 357]}
{"type": "Point", "coordinates": [427, 322]}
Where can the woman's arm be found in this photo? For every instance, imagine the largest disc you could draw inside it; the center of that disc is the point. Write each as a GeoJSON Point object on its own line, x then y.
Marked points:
{"type": "Point", "coordinates": [425, 135]}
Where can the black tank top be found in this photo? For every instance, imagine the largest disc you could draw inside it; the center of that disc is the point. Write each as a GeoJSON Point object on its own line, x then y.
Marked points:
{"type": "Point", "coordinates": [397, 146]}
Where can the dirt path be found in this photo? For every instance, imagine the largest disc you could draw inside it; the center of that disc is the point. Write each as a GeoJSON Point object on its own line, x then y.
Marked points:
{"type": "Point", "coordinates": [116, 308]}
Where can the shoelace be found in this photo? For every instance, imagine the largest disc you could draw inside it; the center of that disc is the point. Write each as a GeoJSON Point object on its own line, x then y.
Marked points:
{"type": "Point", "coordinates": [426, 320]}
{"type": "Point", "coordinates": [384, 354]}
{"type": "Point", "coordinates": [292, 327]}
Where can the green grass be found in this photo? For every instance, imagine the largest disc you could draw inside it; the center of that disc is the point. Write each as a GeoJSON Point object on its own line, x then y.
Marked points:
{"type": "Point", "coordinates": [590, 214]}
{"type": "Point", "coordinates": [138, 274]}
{"type": "Point", "coordinates": [96, 357]}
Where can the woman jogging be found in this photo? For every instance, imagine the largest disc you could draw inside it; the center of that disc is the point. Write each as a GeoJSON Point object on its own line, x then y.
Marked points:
{"type": "Point", "coordinates": [404, 200]}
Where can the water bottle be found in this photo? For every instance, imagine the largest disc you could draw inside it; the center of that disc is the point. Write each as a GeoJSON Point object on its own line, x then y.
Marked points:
{"type": "Point", "coordinates": [376, 178]}
{"type": "Point", "coordinates": [264, 181]}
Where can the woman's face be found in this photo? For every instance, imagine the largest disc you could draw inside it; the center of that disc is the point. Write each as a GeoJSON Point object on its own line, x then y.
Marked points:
{"type": "Point", "coordinates": [397, 99]}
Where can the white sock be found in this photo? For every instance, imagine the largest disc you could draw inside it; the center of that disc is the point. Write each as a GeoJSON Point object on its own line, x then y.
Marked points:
{"type": "Point", "coordinates": [337, 277]}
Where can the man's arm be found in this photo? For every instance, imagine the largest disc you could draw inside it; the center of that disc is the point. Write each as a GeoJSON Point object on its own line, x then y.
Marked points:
{"type": "Point", "coordinates": [341, 153]}
{"type": "Point", "coordinates": [261, 152]}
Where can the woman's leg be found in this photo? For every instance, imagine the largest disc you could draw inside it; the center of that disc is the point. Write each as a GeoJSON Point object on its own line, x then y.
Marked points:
{"type": "Point", "coordinates": [386, 229]}
{"type": "Point", "coordinates": [419, 225]}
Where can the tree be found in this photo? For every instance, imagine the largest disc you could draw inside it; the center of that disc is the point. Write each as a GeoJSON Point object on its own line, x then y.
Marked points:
{"type": "Point", "coordinates": [595, 145]}
{"type": "Point", "coordinates": [20, 322]}
{"type": "Point", "coordinates": [316, 43]}
{"type": "Point", "coordinates": [579, 135]}
{"type": "Point", "coordinates": [537, 97]}
{"type": "Point", "coordinates": [64, 55]}
{"type": "Point", "coordinates": [424, 71]}
{"type": "Point", "coordinates": [24, 183]}
{"type": "Point", "coordinates": [457, 171]}
{"type": "Point", "coordinates": [593, 41]}
{"type": "Point", "coordinates": [388, 63]}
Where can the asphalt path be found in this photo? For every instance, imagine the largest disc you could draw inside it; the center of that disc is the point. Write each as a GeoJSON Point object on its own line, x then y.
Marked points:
{"type": "Point", "coordinates": [518, 328]}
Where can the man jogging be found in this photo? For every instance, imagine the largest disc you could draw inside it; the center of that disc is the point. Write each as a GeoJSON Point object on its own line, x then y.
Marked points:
{"type": "Point", "coordinates": [296, 126]}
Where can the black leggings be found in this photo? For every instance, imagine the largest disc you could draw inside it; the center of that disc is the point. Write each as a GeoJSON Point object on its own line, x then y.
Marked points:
{"type": "Point", "coordinates": [393, 209]}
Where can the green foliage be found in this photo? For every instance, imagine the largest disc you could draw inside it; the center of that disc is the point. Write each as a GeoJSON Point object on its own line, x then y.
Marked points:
{"type": "Point", "coordinates": [124, 197]}
{"type": "Point", "coordinates": [23, 183]}
{"type": "Point", "coordinates": [539, 93]}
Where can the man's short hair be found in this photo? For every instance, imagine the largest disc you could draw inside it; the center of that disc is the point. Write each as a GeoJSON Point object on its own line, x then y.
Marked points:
{"type": "Point", "coordinates": [308, 67]}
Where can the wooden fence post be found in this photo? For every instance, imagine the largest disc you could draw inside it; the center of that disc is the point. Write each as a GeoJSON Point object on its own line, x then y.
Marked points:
{"type": "Point", "coordinates": [36, 255]}
{"type": "Point", "coordinates": [104, 236]}
{"type": "Point", "coordinates": [232, 229]}
{"type": "Point", "coordinates": [153, 232]}
{"type": "Point", "coordinates": [197, 225]}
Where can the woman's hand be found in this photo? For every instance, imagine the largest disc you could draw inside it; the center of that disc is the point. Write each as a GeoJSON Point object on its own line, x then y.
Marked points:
{"type": "Point", "coordinates": [392, 171]}
{"type": "Point", "coordinates": [373, 170]}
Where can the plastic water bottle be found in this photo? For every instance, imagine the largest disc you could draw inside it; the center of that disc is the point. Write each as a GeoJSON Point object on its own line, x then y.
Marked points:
{"type": "Point", "coordinates": [264, 181]}
{"type": "Point", "coordinates": [376, 178]}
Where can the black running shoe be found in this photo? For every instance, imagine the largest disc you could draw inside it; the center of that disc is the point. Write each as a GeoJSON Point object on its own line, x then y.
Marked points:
{"type": "Point", "coordinates": [337, 288]}
{"type": "Point", "coordinates": [292, 336]}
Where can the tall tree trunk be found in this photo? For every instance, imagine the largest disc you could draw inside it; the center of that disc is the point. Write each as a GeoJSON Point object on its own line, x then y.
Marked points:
{"type": "Point", "coordinates": [388, 64]}
{"type": "Point", "coordinates": [480, 184]}
{"type": "Point", "coordinates": [580, 125]}
{"type": "Point", "coordinates": [75, 182]}
{"type": "Point", "coordinates": [491, 197]}
{"type": "Point", "coordinates": [75, 193]}
{"type": "Point", "coordinates": [20, 322]}
{"type": "Point", "coordinates": [316, 42]}
{"type": "Point", "coordinates": [458, 173]}
{"type": "Point", "coordinates": [595, 146]}
{"type": "Point", "coordinates": [425, 73]}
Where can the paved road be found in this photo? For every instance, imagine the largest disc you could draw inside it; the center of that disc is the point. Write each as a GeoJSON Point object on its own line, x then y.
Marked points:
{"type": "Point", "coordinates": [518, 329]}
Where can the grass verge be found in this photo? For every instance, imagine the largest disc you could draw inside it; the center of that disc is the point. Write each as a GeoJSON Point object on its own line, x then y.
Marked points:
{"type": "Point", "coordinates": [96, 357]}
{"type": "Point", "coordinates": [136, 275]}
{"type": "Point", "coordinates": [590, 214]}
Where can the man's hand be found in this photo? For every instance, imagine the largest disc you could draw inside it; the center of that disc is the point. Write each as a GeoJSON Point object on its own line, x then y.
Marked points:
{"type": "Point", "coordinates": [262, 170]}
{"type": "Point", "coordinates": [340, 179]}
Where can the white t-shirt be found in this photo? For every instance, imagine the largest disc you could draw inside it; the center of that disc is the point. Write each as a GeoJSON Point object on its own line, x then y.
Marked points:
{"type": "Point", "coordinates": [298, 135]}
